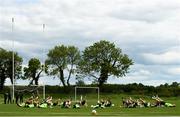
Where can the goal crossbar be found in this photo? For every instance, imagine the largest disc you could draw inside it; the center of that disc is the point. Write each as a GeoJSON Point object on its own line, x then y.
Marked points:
{"type": "Point", "coordinates": [75, 90]}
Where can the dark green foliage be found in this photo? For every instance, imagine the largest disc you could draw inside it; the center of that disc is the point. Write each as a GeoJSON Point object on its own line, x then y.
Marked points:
{"type": "Point", "coordinates": [103, 59]}
{"type": "Point", "coordinates": [58, 60]}
{"type": "Point", "coordinates": [33, 71]}
{"type": "Point", "coordinates": [6, 66]}
{"type": "Point", "coordinates": [169, 90]}
{"type": "Point", "coordinates": [128, 89]}
{"type": "Point", "coordinates": [80, 83]}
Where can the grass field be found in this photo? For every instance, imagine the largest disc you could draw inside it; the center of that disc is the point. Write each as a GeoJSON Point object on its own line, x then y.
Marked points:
{"type": "Point", "coordinates": [14, 110]}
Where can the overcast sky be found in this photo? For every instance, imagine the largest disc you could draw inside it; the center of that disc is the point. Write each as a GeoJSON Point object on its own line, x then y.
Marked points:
{"type": "Point", "coordinates": [147, 30]}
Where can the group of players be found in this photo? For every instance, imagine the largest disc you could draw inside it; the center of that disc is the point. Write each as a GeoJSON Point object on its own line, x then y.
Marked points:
{"type": "Point", "coordinates": [103, 103]}
{"type": "Point", "coordinates": [49, 102]}
{"type": "Point", "coordinates": [133, 103]}
{"type": "Point", "coordinates": [36, 102]}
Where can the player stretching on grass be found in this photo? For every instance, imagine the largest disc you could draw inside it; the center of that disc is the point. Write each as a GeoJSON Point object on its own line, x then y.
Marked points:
{"type": "Point", "coordinates": [161, 103]}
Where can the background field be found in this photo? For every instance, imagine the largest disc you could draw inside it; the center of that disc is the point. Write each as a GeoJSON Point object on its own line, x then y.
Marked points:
{"type": "Point", "coordinates": [14, 110]}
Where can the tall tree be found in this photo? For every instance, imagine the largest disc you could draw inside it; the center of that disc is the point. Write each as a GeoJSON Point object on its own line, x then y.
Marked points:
{"type": "Point", "coordinates": [103, 59]}
{"type": "Point", "coordinates": [33, 71]}
{"type": "Point", "coordinates": [59, 59]}
{"type": "Point", "coordinates": [6, 66]}
{"type": "Point", "coordinates": [3, 67]}
{"type": "Point", "coordinates": [73, 56]}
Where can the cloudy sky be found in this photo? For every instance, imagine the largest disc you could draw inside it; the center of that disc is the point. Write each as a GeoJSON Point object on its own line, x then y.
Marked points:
{"type": "Point", "coordinates": [147, 30]}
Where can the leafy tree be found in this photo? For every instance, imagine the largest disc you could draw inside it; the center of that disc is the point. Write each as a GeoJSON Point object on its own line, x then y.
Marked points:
{"type": "Point", "coordinates": [73, 56]}
{"type": "Point", "coordinates": [3, 67]}
{"type": "Point", "coordinates": [33, 71]}
{"type": "Point", "coordinates": [59, 59]}
{"type": "Point", "coordinates": [175, 84]}
{"type": "Point", "coordinates": [6, 66]}
{"type": "Point", "coordinates": [103, 59]}
{"type": "Point", "coordinates": [80, 83]}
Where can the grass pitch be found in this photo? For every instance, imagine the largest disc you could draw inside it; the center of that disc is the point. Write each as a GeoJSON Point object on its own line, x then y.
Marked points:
{"type": "Point", "coordinates": [14, 110]}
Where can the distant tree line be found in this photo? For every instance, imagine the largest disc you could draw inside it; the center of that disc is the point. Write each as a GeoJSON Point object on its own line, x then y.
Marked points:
{"type": "Point", "coordinates": [164, 90]}
{"type": "Point", "coordinates": [98, 62]}
{"type": "Point", "coordinates": [140, 89]}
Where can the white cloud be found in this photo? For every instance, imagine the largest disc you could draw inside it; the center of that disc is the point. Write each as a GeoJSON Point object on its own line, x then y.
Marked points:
{"type": "Point", "coordinates": [141, 72]}
{"type": "Point", "coordinates": [174, 71]}
{"type": "Point", "coordinates": [149, 11]}
{"type": "Point", "coordinates": [145, 30]}
{"type": "Point", "coordinates": [169, 57]}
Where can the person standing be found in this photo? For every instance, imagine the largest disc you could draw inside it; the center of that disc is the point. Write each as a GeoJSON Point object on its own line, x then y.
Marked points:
{"type": "Point", "coordinates": [21, 97]}
{"type": "Point", "coordinates": [5, 97]}
{"type": "Point", "coordinates": [17, 97]}
{"type": "Point", "coordinates": [9, 98]}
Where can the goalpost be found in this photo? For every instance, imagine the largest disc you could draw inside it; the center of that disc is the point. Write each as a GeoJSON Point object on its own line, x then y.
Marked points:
{"type": "Point", "coordinates": [77, 87]}
{"type": "Point", "coordinates": [39, 90]}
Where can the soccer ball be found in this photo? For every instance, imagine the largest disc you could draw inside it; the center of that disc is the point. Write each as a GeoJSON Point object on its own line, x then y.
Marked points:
{"type": "Point", "coordinates": [94, 112]}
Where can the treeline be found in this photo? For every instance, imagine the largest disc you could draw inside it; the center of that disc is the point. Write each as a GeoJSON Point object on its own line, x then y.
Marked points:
{"type": "Point", "coordinates": [164, 90]}
{"type": "Point", "coordinates": [140, 89]}
{"type": "Point", "coordinates": [97, 62]}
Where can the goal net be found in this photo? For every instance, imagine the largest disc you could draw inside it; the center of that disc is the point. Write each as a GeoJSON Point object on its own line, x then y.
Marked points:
{"type": "Point", "coordinates": [30, 90]}
{"type": "Point", "coordinates": [87, 93]}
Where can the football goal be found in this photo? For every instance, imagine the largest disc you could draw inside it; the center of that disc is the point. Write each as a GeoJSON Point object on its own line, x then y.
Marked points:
{"type": "Point", "coordinates": [30, 90]}
{"type": "Point", "coordinates": [84, 91]}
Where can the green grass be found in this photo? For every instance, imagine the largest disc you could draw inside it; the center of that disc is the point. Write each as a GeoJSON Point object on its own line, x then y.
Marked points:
{"type": "Point", "coordinates": [14, 110]}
